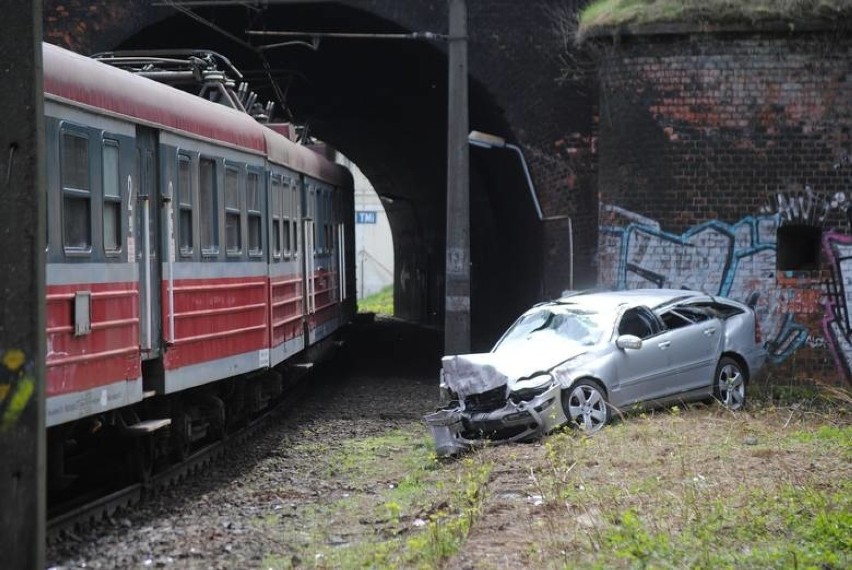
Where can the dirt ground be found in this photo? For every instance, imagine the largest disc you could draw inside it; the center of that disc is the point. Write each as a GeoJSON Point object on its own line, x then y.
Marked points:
{"type": "Point", "coordinates": [349, 479]}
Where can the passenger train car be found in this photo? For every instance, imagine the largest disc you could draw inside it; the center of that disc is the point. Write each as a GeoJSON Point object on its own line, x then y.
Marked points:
{"type": "Point", "coordinates": [192, 252]}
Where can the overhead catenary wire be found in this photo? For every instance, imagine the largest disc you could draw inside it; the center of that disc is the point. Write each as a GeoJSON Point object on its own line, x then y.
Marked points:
{"type": "Point", "coordinates": [351, 35]}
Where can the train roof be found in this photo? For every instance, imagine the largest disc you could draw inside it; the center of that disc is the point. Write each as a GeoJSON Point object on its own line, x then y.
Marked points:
{"type": "Point", "coordinates": [281, 150]}
{"type": "Point", "coordinates": [75, 78]}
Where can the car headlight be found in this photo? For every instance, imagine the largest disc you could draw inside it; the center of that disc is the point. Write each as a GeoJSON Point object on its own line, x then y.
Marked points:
{"type": "Point", "coordinates": [529, 388]}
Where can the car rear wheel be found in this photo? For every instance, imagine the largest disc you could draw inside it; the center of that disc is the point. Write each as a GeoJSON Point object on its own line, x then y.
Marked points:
{"type": "Point", "coordinates": [585, 406]}
{"type": "Point", "coordinates": [729, 383]}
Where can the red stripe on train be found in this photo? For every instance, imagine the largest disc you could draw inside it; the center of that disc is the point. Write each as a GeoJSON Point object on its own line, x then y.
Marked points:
{"type": "Point", "coordinates": [215, 318]}
{"type": "Point", "coordinates": [106, 354]}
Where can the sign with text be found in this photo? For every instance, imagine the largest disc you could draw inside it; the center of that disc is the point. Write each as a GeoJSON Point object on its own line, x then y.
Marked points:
{"type": "Point", "coordinates": [365, 217]}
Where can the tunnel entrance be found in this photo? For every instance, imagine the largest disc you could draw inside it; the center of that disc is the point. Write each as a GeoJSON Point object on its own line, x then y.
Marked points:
{"type": "Point", "coordinates": [382, 103]}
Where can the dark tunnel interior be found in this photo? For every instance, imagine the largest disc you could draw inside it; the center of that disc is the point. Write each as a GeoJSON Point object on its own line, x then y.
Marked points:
{"type": "Point", "coordinates": [383, 104]}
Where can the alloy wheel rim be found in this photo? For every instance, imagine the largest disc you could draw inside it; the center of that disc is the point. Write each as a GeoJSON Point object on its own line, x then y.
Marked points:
{"type": "Point", "coordinates": [587, 408]}
{"type": "Point", "coordinates": [731, 386]}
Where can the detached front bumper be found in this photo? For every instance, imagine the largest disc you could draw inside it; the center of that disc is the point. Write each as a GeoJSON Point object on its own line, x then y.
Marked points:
{"type": "Point", "coordinates": [456, 430]}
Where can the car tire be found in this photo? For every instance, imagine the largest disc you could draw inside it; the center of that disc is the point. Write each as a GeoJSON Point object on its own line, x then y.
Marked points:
{"type": "Point", "coordinates": [729, 383]}
{"type": "Point", "coordinates": [585, 405]}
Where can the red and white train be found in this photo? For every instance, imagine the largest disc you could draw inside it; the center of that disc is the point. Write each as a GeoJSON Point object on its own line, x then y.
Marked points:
{"type": "Point", "coordinates": [191, 251]}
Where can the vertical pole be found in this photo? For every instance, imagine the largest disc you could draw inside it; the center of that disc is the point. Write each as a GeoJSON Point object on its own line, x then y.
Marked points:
{"type": "Point", "coordinates": [457, 299]}
{"type": "Point", "coordinates": [22, 258]}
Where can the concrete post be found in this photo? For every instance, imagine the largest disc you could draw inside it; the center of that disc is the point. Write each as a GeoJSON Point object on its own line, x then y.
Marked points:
{"type": "Point", "coordinates": [22, 258]}
{"type": "Point", "coordinates": [457, 293]}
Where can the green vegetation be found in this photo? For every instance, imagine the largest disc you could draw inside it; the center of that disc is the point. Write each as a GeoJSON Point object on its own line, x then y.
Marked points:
{"type": "Point", "coordinates": [705, 491]}
{"type": "Point", "coordinates": [688, 487]}
{"type": "Point", "coordinates": [404, 508]}
{"type": "Point", "coordinates": [605, 14]}
{"type": "Point", "coordinates": [380, 303]}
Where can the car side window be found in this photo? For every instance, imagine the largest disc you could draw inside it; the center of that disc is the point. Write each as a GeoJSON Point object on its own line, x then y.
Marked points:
{"type": "Point", "coordinates": [684, 316]}
{"type": "Point", "coordinates": [674, 320]}
{"type": "Point", "coordinates": [638, 322]}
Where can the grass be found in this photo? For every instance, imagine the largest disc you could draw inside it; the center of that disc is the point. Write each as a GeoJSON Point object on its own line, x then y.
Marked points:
{"type": "Point", "coordinates": [693, 487]}
{"type": "Point", "coordinates": [700, 489]}
{"type": "Point", "coordinates": [605, 14]}
{"type": "Point", "coordinates": [380, 303]}
{"type": "Point", "coordinates": [404, 508]}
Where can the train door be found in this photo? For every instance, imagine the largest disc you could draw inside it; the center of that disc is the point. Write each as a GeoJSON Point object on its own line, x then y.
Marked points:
{"type": "Point", "coordinates": [146, 236]}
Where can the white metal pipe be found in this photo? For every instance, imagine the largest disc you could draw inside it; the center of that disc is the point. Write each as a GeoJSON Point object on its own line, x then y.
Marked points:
{"type": "Point", "coordinates": [146, 256]}
{"type": "Point", "coordinates": [530, 184]}
{"type": "Point", "coordinates": [170, 237]}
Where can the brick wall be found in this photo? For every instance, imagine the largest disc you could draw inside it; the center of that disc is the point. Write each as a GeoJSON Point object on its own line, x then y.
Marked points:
{"type": "Point", "coordinates": [708, 144]}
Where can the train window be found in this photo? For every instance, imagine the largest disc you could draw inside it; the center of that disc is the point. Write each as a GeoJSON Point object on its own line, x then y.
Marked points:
{"type": "Point", "coordinates": [297, 209]}
{"type": "Point", "coordinates": [287, 208]}
{"type": "Point", "coordinates": [76, 192]}
{"type": "Point", "coordinates": [328, 245]}
{"type": "Point", "coordinates": [276, 217]}
{"type": "Point", "coordinates": [208, 208]}
{"type": "Point", "coordinates": [233, 230]}
{"type": "Point", "coordinates": [288, 243]}
{"type": "Point", "coordinates": [184, 199]}
{"type": "Point", "coordinates": [319, 231]}
{"type": "Point", "coordinates": [112, 198]}
{"type": "Point", "coordinates": [324, 238]}
{"type": "Point", "coordinates": [255, 225]}
{"type": "Point", "coordinates": [326, 202]}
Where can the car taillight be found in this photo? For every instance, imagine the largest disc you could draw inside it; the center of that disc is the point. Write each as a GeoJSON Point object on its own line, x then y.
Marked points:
{"type": "Point", "coordinates": [758, 335]}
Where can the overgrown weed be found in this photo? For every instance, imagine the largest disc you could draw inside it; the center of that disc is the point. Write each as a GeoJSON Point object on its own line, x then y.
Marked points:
{"type": "Point", "coordinates": [380, 303]}
{"type": "Point", "coordinates": [604, 14]}
{"type": "Point", "coordinates": [404, 507]}
{"type": "Point", "coordinates": [688, 486]}
{"type": "Point", "coordinates": [702, 488]}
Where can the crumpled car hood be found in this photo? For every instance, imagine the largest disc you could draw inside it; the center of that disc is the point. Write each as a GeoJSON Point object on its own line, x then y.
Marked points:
{"type": "Point", "coordinates": [468, 374]}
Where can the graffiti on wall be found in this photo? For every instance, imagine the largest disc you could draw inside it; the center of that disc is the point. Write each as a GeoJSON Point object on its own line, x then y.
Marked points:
{"type": "Point", "coordinates": [735, 260]}
{"type": "Point", "coordinates": [17, 384]}
{"type": "Point", "coordinates": [836, 325]}
{"type": "Point", "coordinates": [739, 261]}
{"type": "Point", "coordinates": [808, 207]}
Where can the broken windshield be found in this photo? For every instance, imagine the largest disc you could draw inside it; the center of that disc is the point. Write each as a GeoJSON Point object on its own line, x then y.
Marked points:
{"type": "Point", "coordinates": [557, 325]}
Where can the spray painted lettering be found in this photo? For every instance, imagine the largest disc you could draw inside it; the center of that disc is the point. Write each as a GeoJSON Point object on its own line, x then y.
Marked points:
{"type": "Point", "coordinates": [734, 260]}
{"type": "Point", "coordinates": [807, 207]}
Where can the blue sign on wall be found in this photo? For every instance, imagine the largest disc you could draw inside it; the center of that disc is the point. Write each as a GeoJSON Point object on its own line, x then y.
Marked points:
{"type": "Point", "coordinates": [365, 217]}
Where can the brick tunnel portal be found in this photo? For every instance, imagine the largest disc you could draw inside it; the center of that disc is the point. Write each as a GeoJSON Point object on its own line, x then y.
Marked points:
{"type": "Point", "coordinates": [382, 103]}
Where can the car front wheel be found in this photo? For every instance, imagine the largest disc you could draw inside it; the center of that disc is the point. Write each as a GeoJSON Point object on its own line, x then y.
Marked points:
{"type": "Point", "coordinates": [585, 406]}
{"type": "Point", "coordinates": [729, 384]}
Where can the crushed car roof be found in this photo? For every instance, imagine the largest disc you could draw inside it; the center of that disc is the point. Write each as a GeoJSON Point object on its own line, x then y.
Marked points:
{"type": "Point", "coordinates": [633, 297]}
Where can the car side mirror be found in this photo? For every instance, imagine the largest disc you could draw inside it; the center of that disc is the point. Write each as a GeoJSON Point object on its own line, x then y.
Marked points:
{"type": "Point", "coordinates": [628, 341]}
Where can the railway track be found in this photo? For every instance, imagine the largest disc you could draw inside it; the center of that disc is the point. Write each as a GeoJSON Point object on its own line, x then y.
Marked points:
{"type": "Point", "coordinates": [102, 504]}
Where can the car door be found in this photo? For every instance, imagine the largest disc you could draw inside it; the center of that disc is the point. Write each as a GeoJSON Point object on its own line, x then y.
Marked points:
{"type": "Point", "coordinates": [643, 373]}
{"type": "Point", "coordinates": [695, 345]}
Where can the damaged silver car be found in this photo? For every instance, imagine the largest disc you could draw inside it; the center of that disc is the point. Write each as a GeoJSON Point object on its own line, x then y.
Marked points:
{"type": "Point", "coordinates": [579, 359]}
